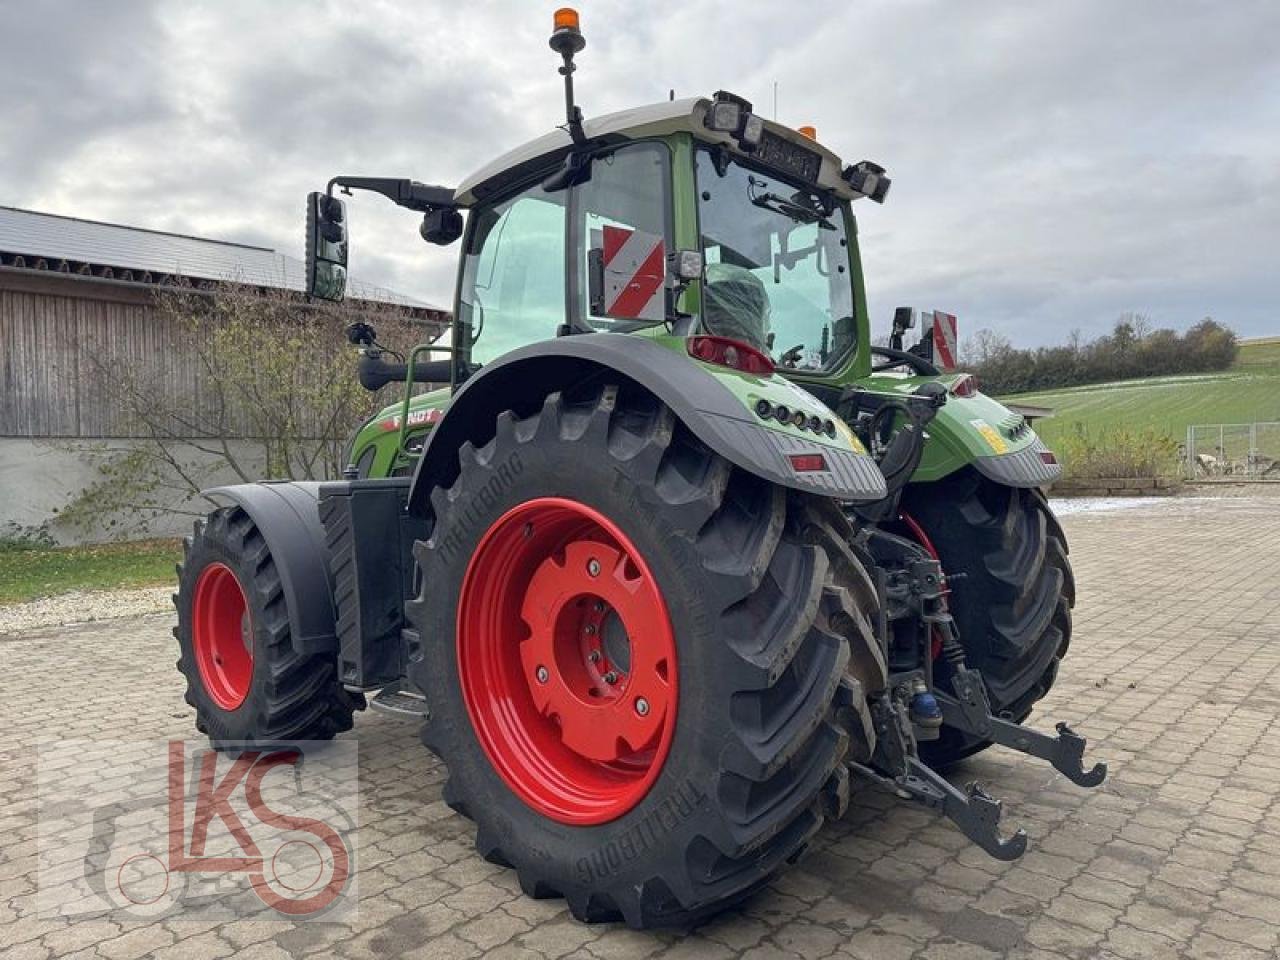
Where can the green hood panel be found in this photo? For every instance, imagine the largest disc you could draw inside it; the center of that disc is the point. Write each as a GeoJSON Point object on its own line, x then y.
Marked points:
{"type": "Point", "coordinates": [375, 446]}
{"type": "Point", "coordinates": [973, 430]}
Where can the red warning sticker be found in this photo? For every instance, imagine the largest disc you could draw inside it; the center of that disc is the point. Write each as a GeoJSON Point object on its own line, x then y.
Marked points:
{"type": "Point", "coordinates": [635, 269]}
{"type": "Point", "coordinates": [944, 339]}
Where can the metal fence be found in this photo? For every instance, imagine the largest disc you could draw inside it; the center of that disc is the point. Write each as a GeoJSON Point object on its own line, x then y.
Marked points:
{"type": "Point", "coordinates": [1233, 451]}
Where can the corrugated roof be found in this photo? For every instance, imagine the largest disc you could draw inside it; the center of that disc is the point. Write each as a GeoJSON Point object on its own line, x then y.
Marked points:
{"type": "Point", "coordinates": [55, 237]}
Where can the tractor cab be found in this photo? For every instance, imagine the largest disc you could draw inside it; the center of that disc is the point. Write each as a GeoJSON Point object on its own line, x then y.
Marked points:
{"type": "Point", "coordinates": [664, 219]}
{"type": "Point", "coordinates": [665, 216]}
{"type": "Point", "coordinates": [690, 219]}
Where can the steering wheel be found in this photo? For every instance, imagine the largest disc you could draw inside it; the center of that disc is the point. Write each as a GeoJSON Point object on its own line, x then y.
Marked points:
{"type": "Point", "coordinates": [902, 358]}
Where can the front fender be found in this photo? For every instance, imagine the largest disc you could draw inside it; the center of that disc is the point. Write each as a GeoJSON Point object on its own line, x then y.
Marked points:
{"type": "Point", "coordinates": [287, 514]}
{"type": "Point", "coordinates": [713, 403]}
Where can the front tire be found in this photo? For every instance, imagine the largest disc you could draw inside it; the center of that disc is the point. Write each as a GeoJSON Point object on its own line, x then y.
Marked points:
{"type": "Point", "coordinates": [1013, 595]}
{"type": "Point", "coordinates": [738, 636]}
{"type": "Point", "coordinates": [244, 679]}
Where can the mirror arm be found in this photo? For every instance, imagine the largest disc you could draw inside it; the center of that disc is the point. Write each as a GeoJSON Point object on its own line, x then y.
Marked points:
{"type": "Point", "coordinates": [403, 193]}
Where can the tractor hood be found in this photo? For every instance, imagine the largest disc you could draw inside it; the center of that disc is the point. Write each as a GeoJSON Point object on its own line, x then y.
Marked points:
{"type": "Point", "coordinates": [975, 430]}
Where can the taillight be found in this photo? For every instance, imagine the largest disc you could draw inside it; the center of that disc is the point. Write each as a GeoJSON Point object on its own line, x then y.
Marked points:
{"type": "Point", "coordinates": [729, 353]}
{"type": "Point", "coordinates": [807, 462]}
{"type": "Point", "coordinates": [966, 386]}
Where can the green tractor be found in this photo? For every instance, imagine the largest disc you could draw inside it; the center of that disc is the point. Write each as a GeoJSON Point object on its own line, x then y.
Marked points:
{"type": "Point", "coordinates": [673, 558]}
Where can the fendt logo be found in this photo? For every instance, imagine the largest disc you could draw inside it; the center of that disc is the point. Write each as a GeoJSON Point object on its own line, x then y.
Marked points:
{"type": "Point", "coordinates": [226, 832]}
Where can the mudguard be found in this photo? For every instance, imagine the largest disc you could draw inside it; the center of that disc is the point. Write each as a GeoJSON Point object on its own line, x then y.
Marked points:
{"type": "Point", "coordinates": [1023, 468]}
{"type": "Point", "coordinates": [522, 378]}
{"type": "Point", "coordinates": [288, 516]}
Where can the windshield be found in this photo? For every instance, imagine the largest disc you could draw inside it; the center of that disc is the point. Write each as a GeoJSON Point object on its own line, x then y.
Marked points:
{"type": "Point", "coordinates": [777, 272]}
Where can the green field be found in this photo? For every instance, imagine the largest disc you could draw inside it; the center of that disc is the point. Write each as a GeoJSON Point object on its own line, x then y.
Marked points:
{"type": "Point", "coordinates": [1247, 392]}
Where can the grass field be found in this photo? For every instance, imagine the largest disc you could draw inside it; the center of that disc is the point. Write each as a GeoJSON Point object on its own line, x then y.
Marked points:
{"type": "Point", "coordinates": [28, 571]}
{"type": "Point", "coordinates": [1248, 392]}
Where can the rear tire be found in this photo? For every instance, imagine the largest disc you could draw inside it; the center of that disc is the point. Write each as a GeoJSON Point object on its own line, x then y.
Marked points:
{"type": "Point", "coordinates": [244, 679]}
{"type": "Point", "coordinates": [1012, 601]}
{"type": "Point", "coordinates": [763, 615]}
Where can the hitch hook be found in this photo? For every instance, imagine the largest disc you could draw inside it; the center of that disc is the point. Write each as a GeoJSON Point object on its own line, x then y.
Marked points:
{"type": "Point", "coordinates": [1068, 758]}
{"type": "Point", "coordinates": [974, 811]}
{"type": "Point", "coordinates": [969, 710]}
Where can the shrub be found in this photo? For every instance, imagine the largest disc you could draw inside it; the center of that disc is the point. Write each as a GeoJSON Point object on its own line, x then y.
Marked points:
{"type": "Point", "coordinates": [1117, 452]}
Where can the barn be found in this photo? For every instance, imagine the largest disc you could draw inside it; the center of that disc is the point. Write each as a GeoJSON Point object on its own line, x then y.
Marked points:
{"type": "Point", "coordinates": [76, 295]}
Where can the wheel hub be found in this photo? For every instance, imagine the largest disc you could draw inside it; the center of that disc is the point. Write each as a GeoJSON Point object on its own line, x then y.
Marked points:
{"type": "Point", "coordinates": [222, 636]}
{"type": "Point", "coordinates": [578, 636]}
{"type": "Point", "coordinates": [566, 658]}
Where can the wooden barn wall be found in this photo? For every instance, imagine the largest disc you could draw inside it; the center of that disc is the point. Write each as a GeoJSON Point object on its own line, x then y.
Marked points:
{"type": "Point", "coordinates": [57, 337]}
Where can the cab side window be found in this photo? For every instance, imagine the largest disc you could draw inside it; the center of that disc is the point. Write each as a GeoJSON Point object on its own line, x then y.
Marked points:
{"type": "Point", "coordinates": [513, 283]}
{"type": "Point", "coordinates": [622, 234]}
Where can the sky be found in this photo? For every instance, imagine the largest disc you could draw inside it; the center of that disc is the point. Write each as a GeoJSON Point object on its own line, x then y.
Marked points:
{"type": "Point", "coordinates": [1055, 164]}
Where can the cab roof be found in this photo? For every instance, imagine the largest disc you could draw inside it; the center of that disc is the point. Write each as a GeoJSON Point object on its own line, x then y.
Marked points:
{"type": "Point", "coordinates": [651, 120]}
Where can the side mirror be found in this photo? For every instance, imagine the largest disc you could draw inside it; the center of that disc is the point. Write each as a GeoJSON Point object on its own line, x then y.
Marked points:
{"type": "Point", "coordinates": [904, 318]}
{"type": "Point", "coordinates": [326, 247]}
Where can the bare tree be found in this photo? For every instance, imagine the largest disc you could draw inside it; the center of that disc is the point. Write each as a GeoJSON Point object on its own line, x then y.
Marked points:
{"type": "Point", "coordinates": [275, 397]}
{"type": "Point", "coordinates": [983, 347]}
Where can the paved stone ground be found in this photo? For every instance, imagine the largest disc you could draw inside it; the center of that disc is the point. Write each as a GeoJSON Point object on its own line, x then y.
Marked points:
{"type": "Point", "coordinates": [1174, 674]}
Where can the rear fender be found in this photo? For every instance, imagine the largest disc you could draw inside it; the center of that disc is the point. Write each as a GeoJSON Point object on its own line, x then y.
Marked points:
{"type": "Point", "coordinates": [288, 516]}
{"type": "Point", "coordinates": [715, 404]}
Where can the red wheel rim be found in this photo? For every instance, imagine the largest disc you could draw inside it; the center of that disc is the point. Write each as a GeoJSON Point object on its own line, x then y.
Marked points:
{"type": "Point", "coordinates": [567, 661]}
{"type": "Point", "coordinates": [222, 635]}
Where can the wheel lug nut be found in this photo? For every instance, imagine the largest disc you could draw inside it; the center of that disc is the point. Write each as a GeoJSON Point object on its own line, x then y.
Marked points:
{"type": "Point", "coordinates": [610, 678]}
{"type": "Point", "coordinates": [598, 606]}
{"type": "Point", "coordinates": [642, 706]}
{"type": "Point", "coordinates": [591, 629]}
{"type": "Point", "coordinates": [594, 656]}
{"type": "Point", "coordinates": [542, 674]}
{"type": "Point", "coordinates": [593, 567]}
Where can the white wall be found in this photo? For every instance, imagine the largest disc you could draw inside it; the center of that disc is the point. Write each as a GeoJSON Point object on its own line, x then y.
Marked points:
{"type": "Point", "coordinates": [38, 478]}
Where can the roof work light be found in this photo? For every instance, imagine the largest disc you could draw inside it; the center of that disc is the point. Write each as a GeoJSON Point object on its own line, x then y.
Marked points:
{"type": "Point", "coordinates": [732, 115]}
{"type": "Point", "coordinates": [868, 179]}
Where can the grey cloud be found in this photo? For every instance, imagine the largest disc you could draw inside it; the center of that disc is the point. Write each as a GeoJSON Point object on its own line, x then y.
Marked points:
{"type": "Point", "coordinates": [1054, 164]}
{"type": "Point", "coordinates": [72, 72]}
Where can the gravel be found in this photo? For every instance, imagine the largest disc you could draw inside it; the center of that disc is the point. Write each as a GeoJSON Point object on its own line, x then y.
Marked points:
{"type": "Point", "coordinates": [83, 605]}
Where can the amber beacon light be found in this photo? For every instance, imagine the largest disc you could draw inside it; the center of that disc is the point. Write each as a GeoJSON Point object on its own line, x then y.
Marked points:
{"type": "Point", "coordinates": [566, 18]}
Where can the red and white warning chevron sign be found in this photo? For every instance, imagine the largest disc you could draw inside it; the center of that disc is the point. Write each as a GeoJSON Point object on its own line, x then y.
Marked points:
{"type": "Point", "coordinates": [944, 340]}
{"type": "Point", "coordinates": [635, 270]}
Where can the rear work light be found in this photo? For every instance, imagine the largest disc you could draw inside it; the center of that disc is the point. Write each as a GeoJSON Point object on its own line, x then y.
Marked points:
{"type": "Point", "coordinates": [807, 462]}
{"type": "Point", "coordinates": [729, 353]}
{"type": "Point", "coordinates": [1048, 457]}
{"type": "Point", "coordinates": [966, 386]}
